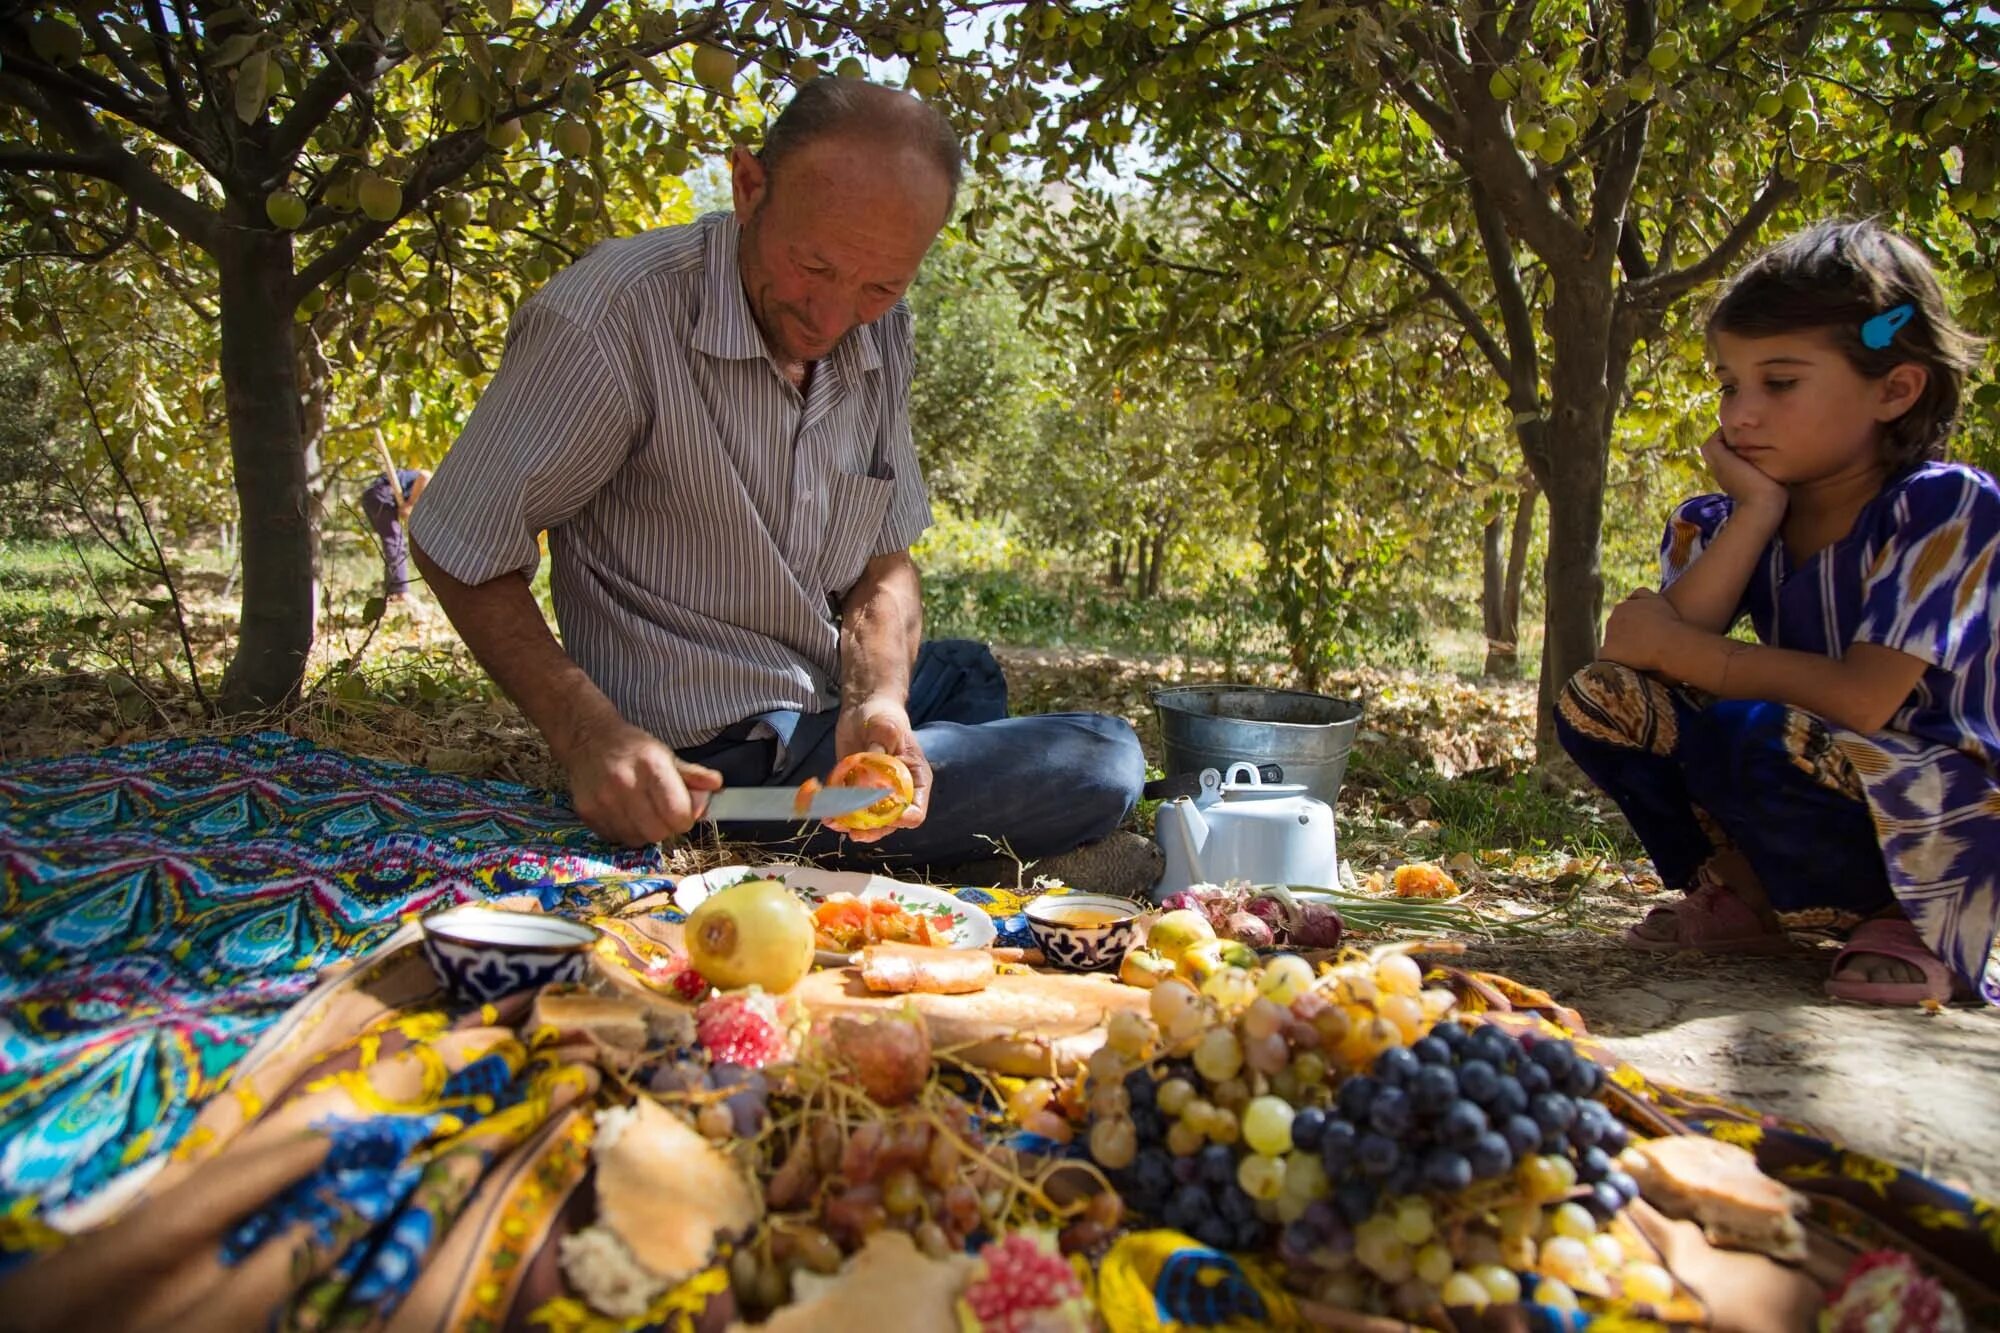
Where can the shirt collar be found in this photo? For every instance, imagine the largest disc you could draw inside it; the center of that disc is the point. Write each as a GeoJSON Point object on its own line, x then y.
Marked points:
{"type": "Point", "coordinates": [726, 329]}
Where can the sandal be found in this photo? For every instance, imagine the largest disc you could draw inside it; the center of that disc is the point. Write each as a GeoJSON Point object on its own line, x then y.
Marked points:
{"type": "Point", "coordinates": [1894, 937]}
{"type": "Point", "coordinates": [1710, 919]}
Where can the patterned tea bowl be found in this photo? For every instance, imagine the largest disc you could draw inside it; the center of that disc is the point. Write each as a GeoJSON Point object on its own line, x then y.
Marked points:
{"type": "Point", "coordinates": [482, 953]}
{"type": "Point", "coordinates": [1084, 932]}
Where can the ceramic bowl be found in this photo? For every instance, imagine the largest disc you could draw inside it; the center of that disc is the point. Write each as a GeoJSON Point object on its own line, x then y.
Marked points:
{"type": "Point", "coordinates": [1058, 924]}
{"type": "Point", "coordinates": [483, 953]}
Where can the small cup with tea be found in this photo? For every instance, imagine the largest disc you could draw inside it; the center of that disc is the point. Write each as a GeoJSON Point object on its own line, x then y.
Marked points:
{"type": "Point", "coordinates": [1084, 932]}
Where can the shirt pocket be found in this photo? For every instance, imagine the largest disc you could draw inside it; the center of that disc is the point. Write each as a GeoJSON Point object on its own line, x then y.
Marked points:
{"type": "Point", "coordinates": [855, 508]}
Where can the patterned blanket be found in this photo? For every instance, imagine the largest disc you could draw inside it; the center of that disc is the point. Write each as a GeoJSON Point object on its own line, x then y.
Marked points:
{"type": "Point", "coordinates": [179, 922]}
{"type": "Point", "coordinates": [161, 904]}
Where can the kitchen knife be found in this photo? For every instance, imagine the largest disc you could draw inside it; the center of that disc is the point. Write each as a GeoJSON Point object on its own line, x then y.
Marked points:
{"type": "Point", "coordinates": [776, 804]}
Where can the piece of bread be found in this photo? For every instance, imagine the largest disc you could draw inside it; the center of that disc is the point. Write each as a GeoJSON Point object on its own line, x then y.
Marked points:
{"type": "Point", "coordinates": [900, 969]}
{"type": "Point", "coordinates": [889, 1287]}
{"type": "Point", "coordinates": [1720, 1186]}
{"type": "Point", "coordinates": [1024, 1023]}
{"type": "Point", "coordinates": [617, 1022]}
{"type": "Point", "coordinates": [664, 1194]}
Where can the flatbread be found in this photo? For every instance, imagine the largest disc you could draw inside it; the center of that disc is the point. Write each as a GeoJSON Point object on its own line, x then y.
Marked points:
{"type": "Point", "coordinates": [664, 1193]}
{"type": "Point", "coordinates": [889, 1287]}
{"type": "Point", "coordinates": [1720, 1186]}
{"type": "Point", "coordinates": [616, 1021]}
{"type": "Point", "coordinates": [1021, 1023]}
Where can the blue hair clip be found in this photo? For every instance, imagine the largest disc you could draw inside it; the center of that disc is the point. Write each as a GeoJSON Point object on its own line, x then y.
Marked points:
{"type": "Point", "coordinates": [1880, 331]}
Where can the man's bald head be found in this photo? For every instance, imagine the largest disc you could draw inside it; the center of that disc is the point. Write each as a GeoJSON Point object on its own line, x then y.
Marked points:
{"type": "Point", "coordinates": [884, 118]}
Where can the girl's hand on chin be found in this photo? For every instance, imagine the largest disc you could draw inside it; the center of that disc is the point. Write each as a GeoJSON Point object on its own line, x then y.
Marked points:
{"type": "Point", "coordinates": [1740, 479]}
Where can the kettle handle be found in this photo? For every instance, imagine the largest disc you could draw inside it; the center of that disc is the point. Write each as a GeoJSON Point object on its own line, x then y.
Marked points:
{"type": "Point", "coordinates": [1189, 784]}
{"type": "Point", "coordinates": [1251, 777]}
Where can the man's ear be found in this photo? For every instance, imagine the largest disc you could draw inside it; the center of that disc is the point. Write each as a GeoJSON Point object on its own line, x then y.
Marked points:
{"type": "Point", "coordinates": [1900, 389]}
{"type": "Point", "coordinates": [749, 182]}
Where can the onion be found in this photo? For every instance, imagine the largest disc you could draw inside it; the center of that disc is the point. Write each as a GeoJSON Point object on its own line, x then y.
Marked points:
{"type": "Point", "coordinates": [1318, 926]}
{"type": "Point", "coordinates": [1270, 910]}
{"type": "Point", "coordinates": [1251, 929]}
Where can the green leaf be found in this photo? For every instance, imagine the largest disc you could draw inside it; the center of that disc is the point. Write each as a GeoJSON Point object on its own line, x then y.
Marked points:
{"type": "Point", "coordinates": [252, 87]}
{"type": "Point", "coordinates": [234, 49]}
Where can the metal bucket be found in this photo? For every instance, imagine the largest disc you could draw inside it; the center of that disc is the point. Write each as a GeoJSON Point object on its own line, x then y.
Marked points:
{"type": "Point", "coordinates": [1214, 726]}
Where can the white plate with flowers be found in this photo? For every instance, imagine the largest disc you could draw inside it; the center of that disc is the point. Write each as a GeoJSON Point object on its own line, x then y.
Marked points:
{"type": "Point", "coordinates": [912, 913]}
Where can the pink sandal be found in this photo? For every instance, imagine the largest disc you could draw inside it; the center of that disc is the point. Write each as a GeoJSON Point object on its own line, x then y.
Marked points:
{"type": "Point", "coordinates": [1710, 919]}
{"type": "Point", "coordinates": [1894, 937]}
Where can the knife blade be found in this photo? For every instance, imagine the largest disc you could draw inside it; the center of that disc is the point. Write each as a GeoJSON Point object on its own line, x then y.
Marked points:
{"type": "Point", "coordinates": [775, 804]}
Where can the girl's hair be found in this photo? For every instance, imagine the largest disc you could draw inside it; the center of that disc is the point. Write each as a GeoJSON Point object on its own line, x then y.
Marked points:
{"type": "Point", "coordinates": [1836, 276]}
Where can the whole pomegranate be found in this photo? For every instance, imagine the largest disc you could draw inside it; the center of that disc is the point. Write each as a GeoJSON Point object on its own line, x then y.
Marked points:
{"type": "Point", "coordinates": [756, 933]}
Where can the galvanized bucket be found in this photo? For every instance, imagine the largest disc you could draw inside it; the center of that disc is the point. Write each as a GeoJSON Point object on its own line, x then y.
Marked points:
{"type": "Point", "coordinates": [1214, 726]}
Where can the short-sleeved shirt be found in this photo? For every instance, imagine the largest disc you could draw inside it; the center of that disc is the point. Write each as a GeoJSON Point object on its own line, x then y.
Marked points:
{"type": "Point", "coordinates": [705, 518]}
{"type": "Point", "coordinates": [1916, 572]}
{"type": "Point", "coordinates": [382, 493]}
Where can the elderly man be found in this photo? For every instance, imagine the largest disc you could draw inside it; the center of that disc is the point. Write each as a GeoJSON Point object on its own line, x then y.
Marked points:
{"type": "Point", "coordinates": [712, 423]}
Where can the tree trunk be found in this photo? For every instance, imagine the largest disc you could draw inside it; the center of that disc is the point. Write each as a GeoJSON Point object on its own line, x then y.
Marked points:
{"type": "Point", "coordinates": [1114, 573]}
{"type": "Point", "coordinates": [1579, 441]}
{"type": "Point", "coordinates": [260, 377]}
{"type": "Point", "coordinates": [1492, 590]}
{"type": "Point", "coordinates": [1501, 595]}
{"type": "Point", "coordinates": [1161, 541]}
{"type": "Point", "coordinates": [1517, 551]}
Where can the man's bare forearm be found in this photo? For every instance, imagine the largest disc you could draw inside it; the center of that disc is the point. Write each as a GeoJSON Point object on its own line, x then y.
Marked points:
{"type": "Point", "coordinates": [500, 621]}
{"type": "Point", "coordinates": [881, 626]}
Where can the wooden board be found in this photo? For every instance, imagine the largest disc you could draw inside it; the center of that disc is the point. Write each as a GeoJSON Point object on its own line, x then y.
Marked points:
{"type": "Point", "coordinates": [1024, 1023]}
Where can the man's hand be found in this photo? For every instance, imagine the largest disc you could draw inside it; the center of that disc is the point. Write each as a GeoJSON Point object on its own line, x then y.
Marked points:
{"type": "Point", "coordinates": [1640, 631]}
{"type": "Point", "coordinates": [884, 725]}
{"type": "Point", "coordinates": [1742, 480]}
{"type": "Point", "coordinates": [630, 788]}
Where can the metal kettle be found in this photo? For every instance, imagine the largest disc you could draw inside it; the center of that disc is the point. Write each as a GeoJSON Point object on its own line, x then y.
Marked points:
{"type": "Point", "coordinates": [1246, 828]}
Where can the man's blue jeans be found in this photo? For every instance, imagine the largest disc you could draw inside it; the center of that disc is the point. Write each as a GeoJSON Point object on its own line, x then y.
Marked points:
{"type": "Point", "coordinates": [1033, 786]}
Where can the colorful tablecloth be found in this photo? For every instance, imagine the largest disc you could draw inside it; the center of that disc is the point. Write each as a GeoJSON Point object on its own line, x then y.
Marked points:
{"type": "Point", "coordinates": [162, 903]}
{"type": "Point", "coordinates": [178, 1019]}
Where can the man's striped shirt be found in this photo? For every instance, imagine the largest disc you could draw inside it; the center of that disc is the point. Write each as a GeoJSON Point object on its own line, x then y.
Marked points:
{"type": "Point", "coordinates": [704, 518]}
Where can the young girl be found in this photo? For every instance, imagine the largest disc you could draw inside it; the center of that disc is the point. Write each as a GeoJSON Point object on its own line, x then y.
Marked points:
{"type": "Point", "coordinates": [1842, 773]}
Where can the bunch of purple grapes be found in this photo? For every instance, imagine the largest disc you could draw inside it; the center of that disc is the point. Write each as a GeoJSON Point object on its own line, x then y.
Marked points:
{"type": "Point", "coordinates": [1197, 1194]}
{"type": "Point", "coordinates": [1460, 1106]}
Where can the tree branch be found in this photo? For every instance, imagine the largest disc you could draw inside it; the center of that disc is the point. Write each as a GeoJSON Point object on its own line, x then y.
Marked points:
{"type": "Point", "coordinates": [170, 70]}
{"type": "Point", "coordinates": [104, 157]}
{"type": "Point", "coordinates": [1490, 159]}
{"type": "Point", "coordinates": [15, 160]}
{"type": "Point", "coordinates": [1517, 316]}
{"type": "Point", "coordinates": [1405, 248]}
{"type": "Point", "coordinates": [1620, 170]}
{"type": "Point", "coordinates": [312, 106]}
{"type": "Point", "coordinates": [1667, 284]}
{"type": "Point", "coordinates": [1632, 252]}
{"type": "Point", "coordinates": [134, 73]}
{"type": "Point", "coordinates": [455, 156]}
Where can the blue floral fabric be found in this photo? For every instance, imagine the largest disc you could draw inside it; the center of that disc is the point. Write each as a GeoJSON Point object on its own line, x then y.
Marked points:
{"type": "Point", "coordinates": [162, 903]}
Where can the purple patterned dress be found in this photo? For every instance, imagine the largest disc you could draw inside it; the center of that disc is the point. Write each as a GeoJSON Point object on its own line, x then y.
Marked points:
{"type": "Point", "coordinates": [1917, 573]}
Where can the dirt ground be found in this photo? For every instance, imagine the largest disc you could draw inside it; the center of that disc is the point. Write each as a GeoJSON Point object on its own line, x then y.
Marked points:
{"type": "Point", "coordinates": [1920, 1089]}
